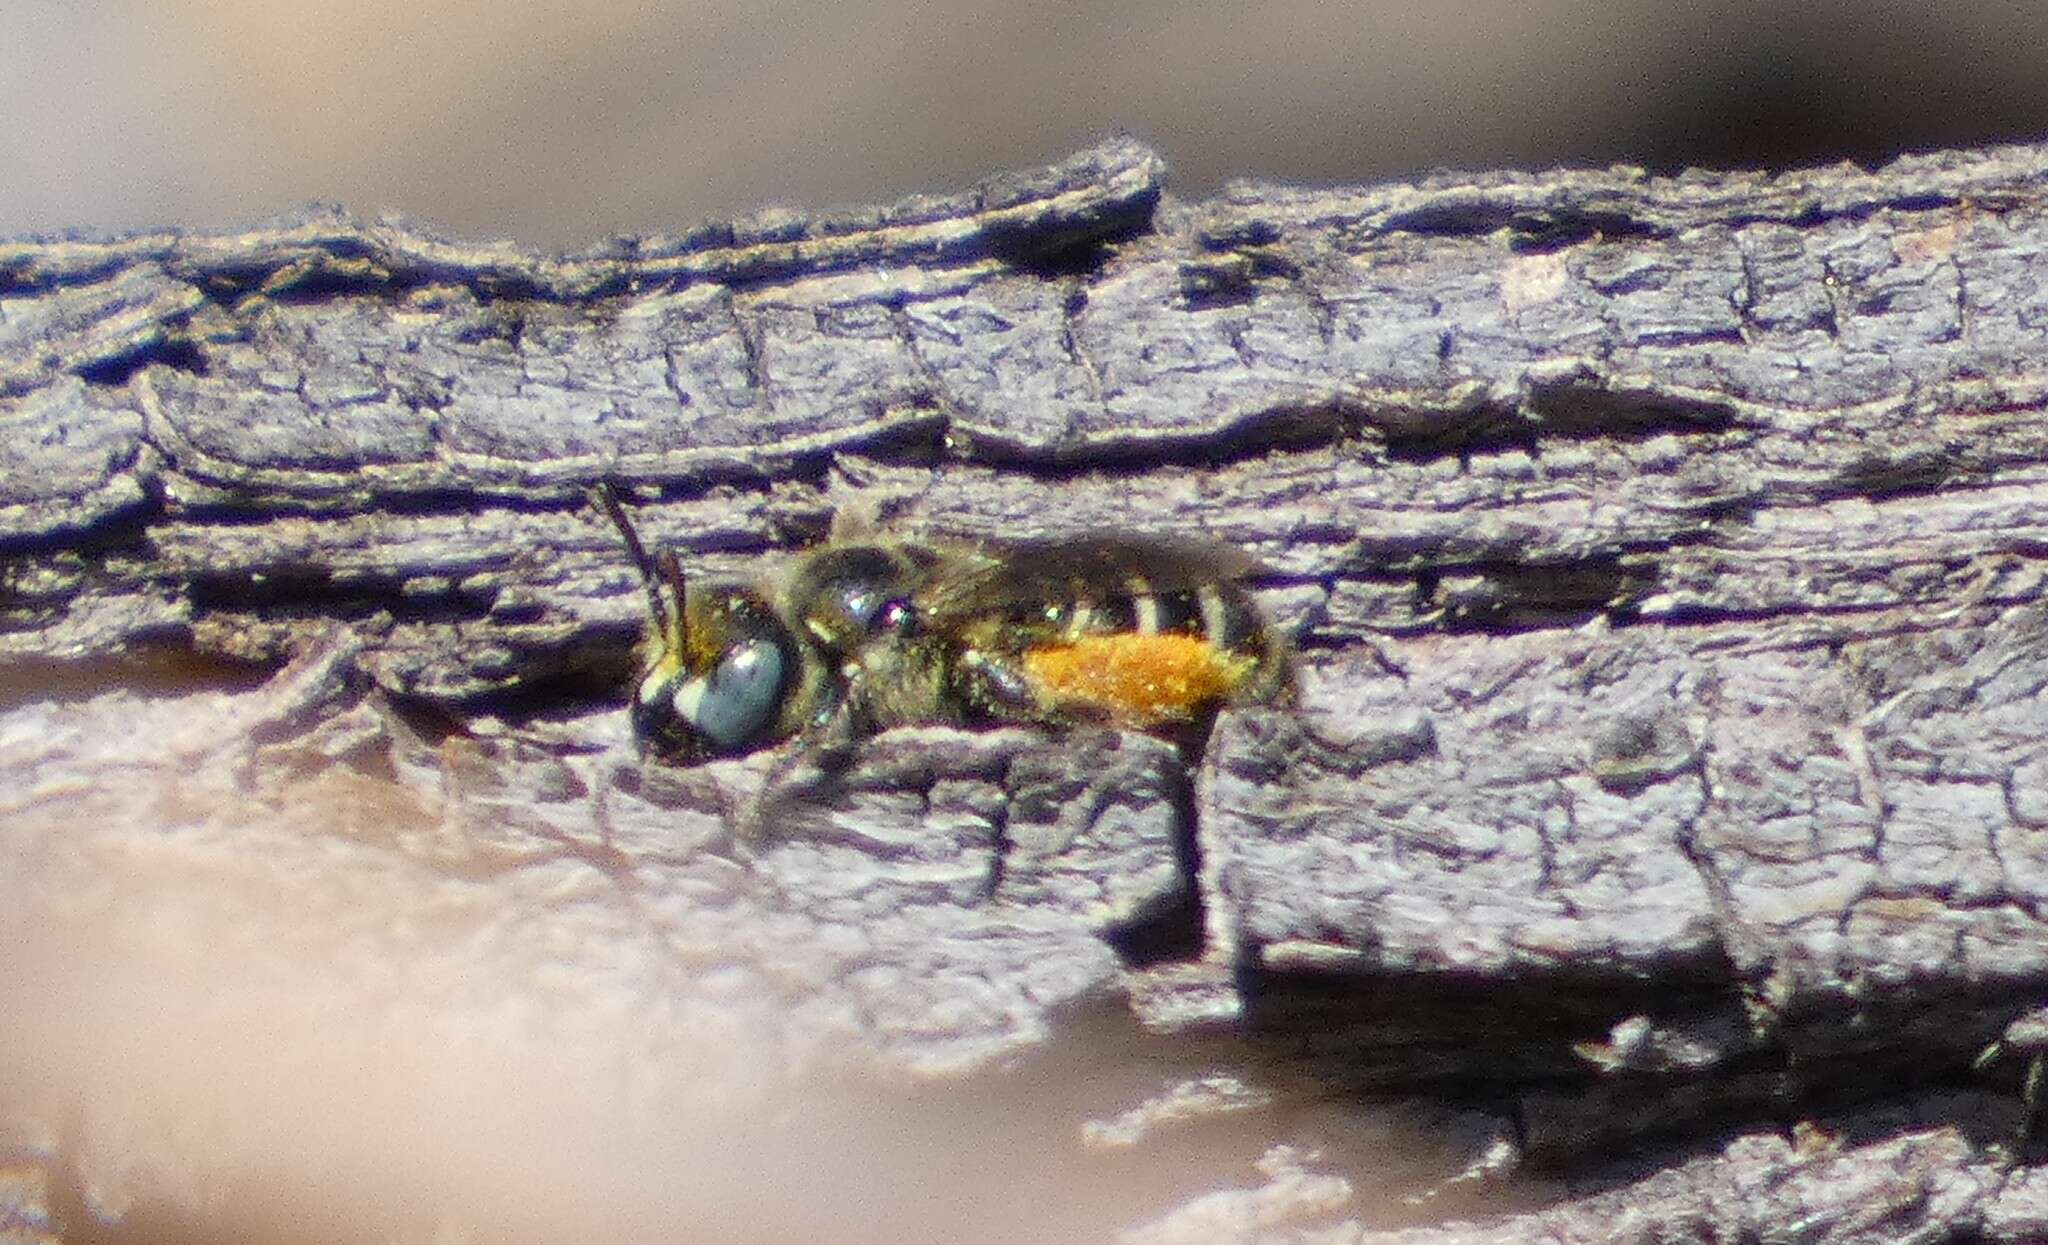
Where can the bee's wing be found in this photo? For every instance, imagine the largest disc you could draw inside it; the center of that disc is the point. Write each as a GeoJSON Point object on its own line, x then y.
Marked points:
{"type": "Point", "coordinates": [1033, 572]}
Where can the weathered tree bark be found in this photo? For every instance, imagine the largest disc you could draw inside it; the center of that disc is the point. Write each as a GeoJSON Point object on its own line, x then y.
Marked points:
{"type": "Point", "coordinates": [1661, 839]}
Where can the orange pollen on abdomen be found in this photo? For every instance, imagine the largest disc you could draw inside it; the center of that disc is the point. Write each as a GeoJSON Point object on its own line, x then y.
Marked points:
{"type": "Point", "coordinates": [1140, 679]}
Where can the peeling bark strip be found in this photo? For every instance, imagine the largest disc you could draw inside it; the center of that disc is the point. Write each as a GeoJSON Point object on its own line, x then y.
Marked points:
{"type": "Point", "coordinates": [1666, 557]}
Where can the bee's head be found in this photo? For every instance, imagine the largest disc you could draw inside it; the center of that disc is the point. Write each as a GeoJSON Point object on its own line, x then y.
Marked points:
{"type": "Point", "coordinates": [718, 677]}
{"type": "Point", "coordinates": [720, 666]}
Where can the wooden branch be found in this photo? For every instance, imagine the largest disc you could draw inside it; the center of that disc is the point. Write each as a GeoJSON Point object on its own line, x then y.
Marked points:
{"type": "Point", "coordinates": [1666, 558]}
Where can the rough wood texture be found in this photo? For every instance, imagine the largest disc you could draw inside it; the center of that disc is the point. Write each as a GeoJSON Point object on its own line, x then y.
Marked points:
{"type": "Point", "coordinates": [1666, 557]}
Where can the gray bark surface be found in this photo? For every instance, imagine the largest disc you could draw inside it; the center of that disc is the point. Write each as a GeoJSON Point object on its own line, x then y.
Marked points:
{"type": "Point", "coordinates": [1666, 813]}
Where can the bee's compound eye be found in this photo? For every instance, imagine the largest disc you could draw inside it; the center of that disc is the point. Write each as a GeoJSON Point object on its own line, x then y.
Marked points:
{"type": "Point", "coordinates": [736, 701]}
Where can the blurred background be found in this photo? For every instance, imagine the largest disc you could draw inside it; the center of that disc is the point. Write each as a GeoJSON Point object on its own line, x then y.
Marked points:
{"type": "Point", "coordinates": [558, 123]}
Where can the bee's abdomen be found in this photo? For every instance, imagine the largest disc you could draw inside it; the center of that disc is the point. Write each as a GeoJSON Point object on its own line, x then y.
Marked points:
{"type": "Point", "coordinates": [1222, 614]}
{"type": "Point", "coordinates": [1123, 647]}
{"type": "Point", "coordinates": [1151, 656]}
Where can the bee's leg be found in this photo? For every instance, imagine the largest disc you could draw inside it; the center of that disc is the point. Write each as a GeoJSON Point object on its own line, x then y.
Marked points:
{"type": "Point", "coordinates": [2030, 1106]}
{"type": "Point", "coordinates": [995, 689]}
{"type": "Point", "coordinates": [809, 767]}
{"type": "Point", "coordinates": [833, 741]}
{"type": "Point", "coordinates": [2026, 1036]}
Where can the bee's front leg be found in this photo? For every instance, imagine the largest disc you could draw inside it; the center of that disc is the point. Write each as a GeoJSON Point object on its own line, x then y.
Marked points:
{"type": "Point", "coordinates": [810, 766]}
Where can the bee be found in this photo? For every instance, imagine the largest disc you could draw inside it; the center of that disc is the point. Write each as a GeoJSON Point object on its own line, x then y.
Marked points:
{"type": "Point", "coordinates": [866, 633]}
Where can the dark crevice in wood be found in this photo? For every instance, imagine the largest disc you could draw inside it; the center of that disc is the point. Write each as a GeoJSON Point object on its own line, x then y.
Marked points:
{"type": "Point", "coordinates": [1579, 411]}
{"type": "Point", "coordinates": [1478, 1033]}
{"type": "Point", "coordinates": [1452, 219]}
{"type": "Point", "coordinates": [1817, 213]}
{"type": "Point", "coordinates": [1214, 284]}
{"type": "Point", "coordinates": [1565, 413]}
{"type": "Point", "coordinates": [555, 687]}
{"type": "Point", "coordinates": [1057, 258]}
{"type": "Point", "coordinates": [1505, 598]}
{"type": "Point", "coordinates": [1694, 614]}
{"type": "Point", "coordinates": [286, 591]}
{"type": "Point", "coordinates": [339, 269]}
{"type": "Point", "coordinates": [1554, 229]}
{"type": "Point", "coordinates": [123, 535]}
{"type": "Point", "coordinates": [1247, 439]}
{"type": "Point", "coordinates": [172, 350]}
{"type": "Point", "coordinates": [1877, 476]}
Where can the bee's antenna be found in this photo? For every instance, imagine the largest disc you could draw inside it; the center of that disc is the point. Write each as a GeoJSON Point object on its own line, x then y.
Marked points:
{"type": "Point", "coordinates": [653, 573]}
{"type": "Point", "coordinates": [671, 568]}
